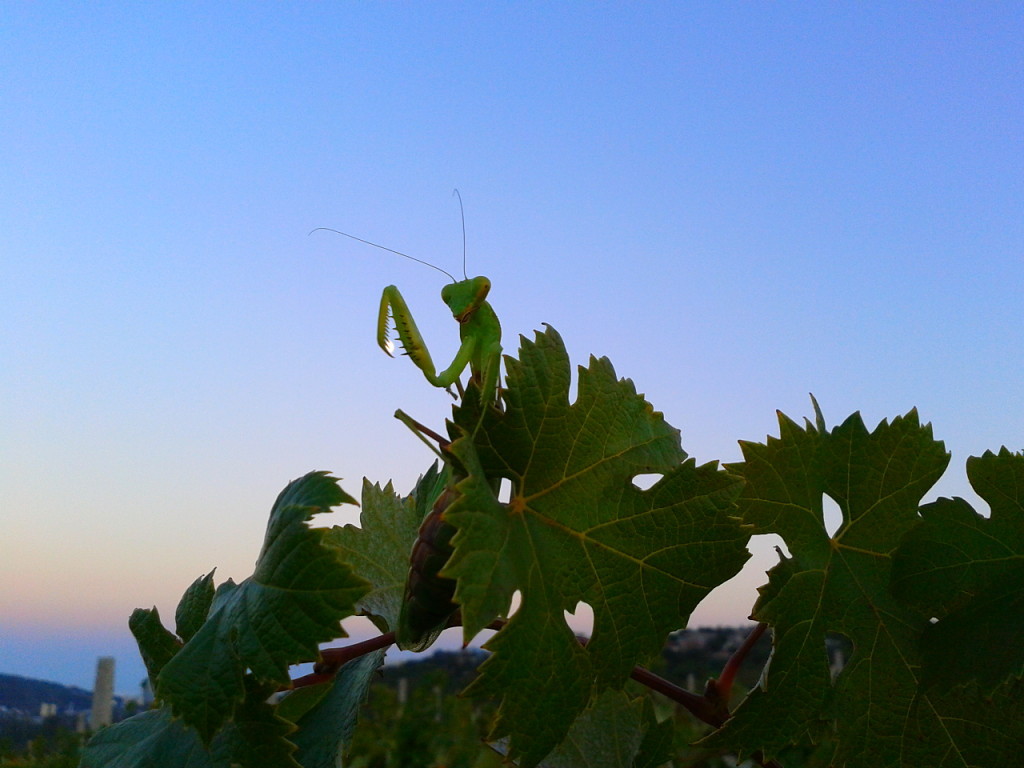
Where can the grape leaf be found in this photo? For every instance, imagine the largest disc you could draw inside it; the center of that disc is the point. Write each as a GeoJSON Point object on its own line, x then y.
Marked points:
{"type": "Point", "coordinates": [295, 599]}
{"type": "Point", "coordinates": [294, 704]}
{"type": "Point", "coordinates": [146, 740]}
{"type": "Point", "coordinates": [327, 728]}
{"type": "Point", "coordinates": [987, 728]}
{"type": "Point", "coordinates": [194, 607]}
{"type": "Point", "coordinates": [656, 747]}
{"type": "Point", "coordinates": [255, 737]}
{"type": "Point", "coordinates": [607, 734]}
{"type": "Point", "coordinates": [837, 584]}
{"type": "Point", "coordinates": [153, 739]}
{"type": "Point", "coordinates": [378, 548]}
{"type": "Point", "coordinates": [428, 606]}
{"type": "Point", "coordinates": [157, 644]}
{"type": "Point", "coordinates": [577, 529]}
{"type": "Point", "coordinates": [968, 571]}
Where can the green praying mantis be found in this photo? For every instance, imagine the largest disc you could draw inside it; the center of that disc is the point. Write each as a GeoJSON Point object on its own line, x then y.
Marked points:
{"type": "Point", "coordinates": [479, 329]}
{"type": "Point", "coordinates": [479, 334]}
{"type": "Point", "coordinates": [427, 607]}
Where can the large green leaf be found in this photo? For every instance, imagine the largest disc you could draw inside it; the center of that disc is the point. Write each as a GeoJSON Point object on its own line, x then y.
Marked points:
{"type": "Point", "coordinates": [378, 548]}
{"type": "Point", "coordinates": [326, 729]}
{"type": "Point", "coordinates": [152, 739]}
{"type": "Point", "coordinates": [839, 583]}
{"type": "Point", "coordinates": [960, 727]}
{"type": "Point", "coordinates": [155, 739]}
{"type": "Point", "coordinates": [577, 529]}
{"type": "Point", "coordinates": [614, 731]}
{"type": "Point", "coordinates": [295, 599]}
{"type": "Point", "coordinates": [968, 572]}
{"type": "Point", "coordinates": [256, 737]}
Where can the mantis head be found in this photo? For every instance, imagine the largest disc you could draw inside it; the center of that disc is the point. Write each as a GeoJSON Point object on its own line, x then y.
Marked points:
{"type": "Point", "coordinates": [465, 296]}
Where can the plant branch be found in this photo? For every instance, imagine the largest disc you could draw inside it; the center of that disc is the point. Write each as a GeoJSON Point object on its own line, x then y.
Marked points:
{"type": "Point", "coordinates": [732, 666]}
{"type": "Point", "coordinates": [694, 704]}
{"type": "Point", "coordinates": [421, 430]}
{"type": "Point", "coordinates": [711, 708]}
{"type": "Point", "coordinates": [698, 706]}
{"type": "Point", "coordinates": [333, 659]}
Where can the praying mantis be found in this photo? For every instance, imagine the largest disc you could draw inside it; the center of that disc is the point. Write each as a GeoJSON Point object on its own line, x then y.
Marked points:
{"type": "Point", "coordinates": [427, 606]}
{"type": "Point", "coordinates": [479, 329]}
{"type": "Point", "coordinates": [479, 333]}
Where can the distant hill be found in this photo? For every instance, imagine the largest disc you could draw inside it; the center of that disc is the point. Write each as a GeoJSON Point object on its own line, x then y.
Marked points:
{"type": "Point", "coordinates": [25, 694]}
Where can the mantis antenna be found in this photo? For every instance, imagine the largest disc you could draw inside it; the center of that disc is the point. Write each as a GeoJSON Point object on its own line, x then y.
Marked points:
{"type": "Point", "coordinates": [462, 213]}
{"type": "Point", "coordinates": [392, 250]}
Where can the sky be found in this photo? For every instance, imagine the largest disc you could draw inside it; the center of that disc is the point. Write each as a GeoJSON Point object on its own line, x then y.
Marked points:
{"type": "Point", "coordinates": [737, 204]}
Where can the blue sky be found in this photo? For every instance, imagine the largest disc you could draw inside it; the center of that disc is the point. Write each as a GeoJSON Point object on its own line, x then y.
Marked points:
{"type": "Point", "coordinates": [738, 204]}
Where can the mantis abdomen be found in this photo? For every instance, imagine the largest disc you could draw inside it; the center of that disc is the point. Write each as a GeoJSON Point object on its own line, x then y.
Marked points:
{"type": "Point", "coordinates": [428, 605]}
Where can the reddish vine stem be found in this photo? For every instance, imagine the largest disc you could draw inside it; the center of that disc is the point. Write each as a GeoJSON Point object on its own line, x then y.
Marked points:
{"type": "Point", "coordinates": [698, 706]}
{"type": "Point", "coordinates": [332, 659]}
{"type": "Point", "coordinates": [732, 666]}
{"type": "Point", "coordinates": [718, 692]}
{"type": "Point", "coordinates": [713, 707]}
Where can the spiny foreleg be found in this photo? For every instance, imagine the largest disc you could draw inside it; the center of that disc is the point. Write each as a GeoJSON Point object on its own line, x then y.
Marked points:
{"type": "Point", "coordinates": [394, 308]}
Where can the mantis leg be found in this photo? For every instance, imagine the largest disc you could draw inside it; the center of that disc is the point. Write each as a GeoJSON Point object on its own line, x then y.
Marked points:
{"type": "Point", "coordinates": [490, 359]}
{"type": "Point", "coordinates": [463, 358]}
{"type": "Point", "coordinates": [393, 306]}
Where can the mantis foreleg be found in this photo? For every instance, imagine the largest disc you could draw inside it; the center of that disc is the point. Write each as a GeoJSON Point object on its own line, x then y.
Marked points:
{"type": "Point", "coordinates": [481, 353]}
{"type": "Point", "coordinates": [393, 306]}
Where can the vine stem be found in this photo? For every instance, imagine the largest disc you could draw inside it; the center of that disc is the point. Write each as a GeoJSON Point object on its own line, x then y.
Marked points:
{"type": "Point", "coordinates": [332, 659]}
{"type": "Point", "coordinates": [698, 706]}
{"type": "Point", "coordinates": [732, 666]}
{"type": "Point", "coordinates": [718, 692]}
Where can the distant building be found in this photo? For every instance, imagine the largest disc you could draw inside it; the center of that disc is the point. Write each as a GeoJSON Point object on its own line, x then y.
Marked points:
{"type": "Point", "coordinates": [103, 694]}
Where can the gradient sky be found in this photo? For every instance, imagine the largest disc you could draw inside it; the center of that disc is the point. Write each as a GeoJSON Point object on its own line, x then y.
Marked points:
{"type": "Point", "coordinates": [738, 204]}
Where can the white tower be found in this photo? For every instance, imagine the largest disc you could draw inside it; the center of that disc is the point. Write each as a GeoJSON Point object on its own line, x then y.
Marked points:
{"type": "Point", "coordinates": [103, 693]}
